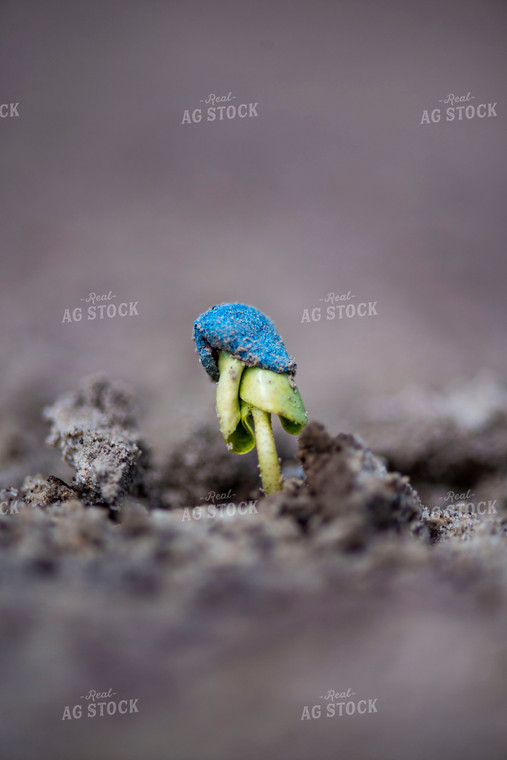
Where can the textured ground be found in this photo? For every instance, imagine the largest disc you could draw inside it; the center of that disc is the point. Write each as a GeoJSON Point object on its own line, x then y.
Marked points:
{"type": "Point", "coordinates": [226, 627]}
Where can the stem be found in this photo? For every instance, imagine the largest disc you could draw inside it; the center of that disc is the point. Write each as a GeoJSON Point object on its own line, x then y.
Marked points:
{"type": "Point", "coordinates": [266, 451]}
{"type": "Point", "coordinates": [228, 410]}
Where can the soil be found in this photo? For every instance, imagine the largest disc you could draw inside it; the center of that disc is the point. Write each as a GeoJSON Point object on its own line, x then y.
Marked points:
{"type": "Point", "coordinates": [126, 571]}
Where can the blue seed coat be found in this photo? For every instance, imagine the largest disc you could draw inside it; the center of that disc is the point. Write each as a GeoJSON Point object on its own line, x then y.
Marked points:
{"type": "Point", "coordinates": [246, 333]}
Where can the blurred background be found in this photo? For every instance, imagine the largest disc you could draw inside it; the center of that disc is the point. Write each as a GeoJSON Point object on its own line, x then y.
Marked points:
{"type": "Point", "coordinates": [335, 186]}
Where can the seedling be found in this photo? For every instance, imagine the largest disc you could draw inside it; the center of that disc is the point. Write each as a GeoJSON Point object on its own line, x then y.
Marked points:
{"type": "Point", "coordinates": [240, 348]}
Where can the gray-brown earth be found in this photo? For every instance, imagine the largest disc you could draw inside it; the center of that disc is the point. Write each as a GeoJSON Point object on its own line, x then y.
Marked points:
{"type": "Point", "coordinates": [225, 627]}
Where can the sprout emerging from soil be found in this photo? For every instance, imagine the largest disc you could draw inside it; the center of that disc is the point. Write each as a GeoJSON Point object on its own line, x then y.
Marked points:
{"type": "Point", "coordinates": [240, 348]}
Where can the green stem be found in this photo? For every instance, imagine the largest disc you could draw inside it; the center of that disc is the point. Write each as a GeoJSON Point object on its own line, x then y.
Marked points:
{"type": "Point", "coordinates": [266, 451]}
{"type": "Point", "coordinates": [228, 409]}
